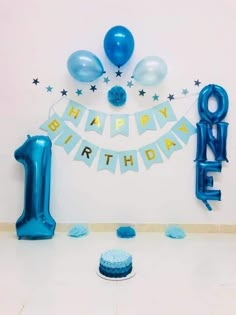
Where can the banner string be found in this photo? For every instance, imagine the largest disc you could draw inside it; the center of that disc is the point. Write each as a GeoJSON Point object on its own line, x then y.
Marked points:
{"type": "Point", "coordinates": [52, 107]}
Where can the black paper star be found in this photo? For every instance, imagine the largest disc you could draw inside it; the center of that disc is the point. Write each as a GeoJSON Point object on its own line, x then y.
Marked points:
{"type": "Point", "coordinates": [197, 82]}
{"type": "Point", "coordinates": [141, 93]}
{"type": "Point", "coordinates": [35, 81]}
{"type": "Point", "coordinates": [171, 97]}
{"type": "Point", "coordinates": [118, 73]}
{"type": "Point", "coordinates": [93, 88]}
{"type": "Point", "coordinates": [79, 92]}
{"type": "Point", "coordinates": [64, 92]}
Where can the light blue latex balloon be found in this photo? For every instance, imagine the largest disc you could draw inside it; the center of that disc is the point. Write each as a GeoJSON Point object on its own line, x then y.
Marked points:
{"type": "Point", "coordinates": [84, 66]}
{"type": "Point", "coordinates": [150, 71]}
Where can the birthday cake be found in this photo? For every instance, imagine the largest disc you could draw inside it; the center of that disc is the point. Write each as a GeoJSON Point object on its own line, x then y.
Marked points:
{"type": "Point", "coordinates": [115, 263]}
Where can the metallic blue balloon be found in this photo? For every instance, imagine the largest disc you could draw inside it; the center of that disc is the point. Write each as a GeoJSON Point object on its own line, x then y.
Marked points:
{"type": "Point", "coordinates": [222, 100]}
{"type": "Point", "coordinates": [118, 45]}
{"type": "Point", "coordinates": [84, 66]}
{"type": "Point", "coordinates": [203, 181]}
{"type": "Point", "coordinates": [202, 138]}
{"type": "Point", "coordinates": [36, 221]}
{"type": "Point", "coordinates": [217, 143]}
{"type": "Point", "coordinates": [150, 71]}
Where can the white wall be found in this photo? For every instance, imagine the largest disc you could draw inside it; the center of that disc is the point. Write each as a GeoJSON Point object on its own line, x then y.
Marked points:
{"type": "Point", "coordinates": [195, 38]}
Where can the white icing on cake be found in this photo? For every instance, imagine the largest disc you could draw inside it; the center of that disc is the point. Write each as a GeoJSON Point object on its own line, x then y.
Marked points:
{"type": "Point", "coordinates": [116, 258]}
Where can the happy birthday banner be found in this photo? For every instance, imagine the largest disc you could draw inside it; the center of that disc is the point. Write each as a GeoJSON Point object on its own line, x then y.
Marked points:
{"type": "Point", "coordinates": [64, 136]}
{"type": "Point", "coordinates": [119, 123]}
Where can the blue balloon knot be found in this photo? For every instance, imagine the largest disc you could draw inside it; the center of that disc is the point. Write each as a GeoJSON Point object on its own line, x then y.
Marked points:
{"type": "Point", "coordinates": [117, 96]}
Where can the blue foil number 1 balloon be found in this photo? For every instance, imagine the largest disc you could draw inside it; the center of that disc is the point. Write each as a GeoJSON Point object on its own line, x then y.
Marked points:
{"type": "Point", "coordinates": [36, 221]}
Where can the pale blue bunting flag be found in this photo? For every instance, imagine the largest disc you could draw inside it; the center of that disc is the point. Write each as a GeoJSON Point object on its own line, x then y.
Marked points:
{"type": "Point", "coordinates": [145, 121]}
{"type": "Point", "coordinates": [164, 113]}
{"type": "Point", "coordinates": [107, 160]}
{"type": "Point", "coordinates": [86, 153]}
{"type": "Point", "coordinates": [119, 125]}
{"type": "Point", "coordinates": [128, 161]}
{"type": "Point", "coordinates": [67, 139]}
{"type": "Point", "coordinates": [168, 144]}
{"type": "Point", "coordinates": [150, 154]}
{"type": "Point", "coordinates": [184, 129]}
{"type": "Point", "coordinates": [54, 126]}
{"type": "Point", "coordinates": [74, 113]}
{"type": "Point", "coordinates": [95, 121]}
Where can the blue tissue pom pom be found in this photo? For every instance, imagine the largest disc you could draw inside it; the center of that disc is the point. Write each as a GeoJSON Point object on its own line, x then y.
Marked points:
{"type": "Point", "coordinates": [117, 96]}
{"type": "Point", "coordinates": [78, 231]}
{"type": "Point", "coordinates": [175, 232]}
{"type": "Point", "coordinates": [125, 232]}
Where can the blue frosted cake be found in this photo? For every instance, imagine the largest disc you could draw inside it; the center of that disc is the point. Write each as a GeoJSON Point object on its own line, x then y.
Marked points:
{"type": "Point", "coordinates": [115, 263]}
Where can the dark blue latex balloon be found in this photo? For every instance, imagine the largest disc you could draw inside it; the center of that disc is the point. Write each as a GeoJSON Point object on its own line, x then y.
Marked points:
{"type": "Point", "coordinates": [221, 97]}
{"type": "Point", "coordinates": [84, 66]}
{"type": "Point", "coordinates": [119, 45]}
{"type": "Point", "coordinates": [36, 221]}
{"type": "Point", "coordinates": [203, 181]}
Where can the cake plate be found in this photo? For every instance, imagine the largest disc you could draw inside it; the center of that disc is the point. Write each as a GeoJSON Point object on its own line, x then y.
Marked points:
{"type": "Point", "coordinates": [130, 275]}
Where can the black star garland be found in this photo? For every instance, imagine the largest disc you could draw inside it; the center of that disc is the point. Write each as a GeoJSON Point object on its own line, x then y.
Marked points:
{"type": "Point", "coordinates": [197, 82]}
{"type": "Point", "coordinates": [141, 93]}
{"type": "Point", "coordinates": [171, 97]}
{"type": "Point", "coordinates": [106, 80]}
{"type": "Point", "coordinates": [64, 92]}
{"type": "Point", "coordinates": [93, 88]}
{"type": "Point", "coordinates": [118, 73]}
{"type": "Point", "coordinates": [35, 81]}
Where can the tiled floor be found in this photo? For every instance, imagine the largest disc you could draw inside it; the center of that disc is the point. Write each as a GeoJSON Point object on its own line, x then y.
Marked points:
{"type": "Point", "coordinates": [192, 276]}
